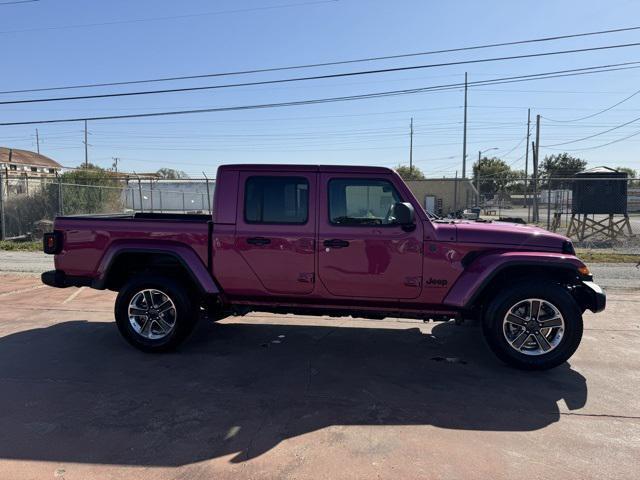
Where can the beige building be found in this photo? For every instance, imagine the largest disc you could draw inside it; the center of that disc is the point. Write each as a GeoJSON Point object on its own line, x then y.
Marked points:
{"type": "Point", "coordinates": [24, 171]}
{"type": "Point", "coordinates": [444, 195]}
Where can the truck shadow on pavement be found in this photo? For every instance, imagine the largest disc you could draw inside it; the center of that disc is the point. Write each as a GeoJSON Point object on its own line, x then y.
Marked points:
{"type": "Point", "coordinates": [75, 392]}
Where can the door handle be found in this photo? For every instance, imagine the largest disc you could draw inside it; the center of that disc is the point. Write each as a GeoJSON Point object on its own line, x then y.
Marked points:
{"type": "Point", "coordinates": [336, 243]}
{"type": "Point", "coordinates": [258, 241]}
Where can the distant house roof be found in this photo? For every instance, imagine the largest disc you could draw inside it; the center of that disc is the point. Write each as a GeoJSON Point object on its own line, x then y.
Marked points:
{"type": "Point", "coordinates": [25, 157]}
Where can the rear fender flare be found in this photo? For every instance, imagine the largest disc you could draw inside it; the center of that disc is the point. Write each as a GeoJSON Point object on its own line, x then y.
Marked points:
{"type": "Point", "coordinates": [183, 254]}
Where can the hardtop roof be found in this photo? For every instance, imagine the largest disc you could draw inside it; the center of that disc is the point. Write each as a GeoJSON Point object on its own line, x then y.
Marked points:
{"type": "Point", "coordinates": [305, 168]}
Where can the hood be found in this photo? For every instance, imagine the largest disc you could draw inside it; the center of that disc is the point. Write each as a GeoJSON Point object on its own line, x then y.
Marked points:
{"type": "Point", "coordinates": [507, 234]}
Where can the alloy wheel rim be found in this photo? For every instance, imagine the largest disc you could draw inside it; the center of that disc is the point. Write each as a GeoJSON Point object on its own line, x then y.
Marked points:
{"type": "Point", "coordinates": [533, 326]}
{"type": "Point", "coordinates": [152, 314]}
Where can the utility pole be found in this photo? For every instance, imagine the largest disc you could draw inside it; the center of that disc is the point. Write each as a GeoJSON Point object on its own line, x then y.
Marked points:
{"type": "Point", "coordinates": [478, 177]}
{"type": "Point", "coordinates": [455, 194]}
{"type": "Point", "coordinates": [86, 147]}
{"type": "Point", "coordinates": [534, 181]}
{"type": "Point", "coordinates": [536, 159]}
{"type": "Point", "coordinates": [464, 134]}
{"type": "Point", "coordinates": [411, 147]}
{"type": "Point", "coordinates": [526, 163]}
{"type": "Point", "coordinates": [3, 228]}
{"type": "Point", "coordinates": [37, 142]}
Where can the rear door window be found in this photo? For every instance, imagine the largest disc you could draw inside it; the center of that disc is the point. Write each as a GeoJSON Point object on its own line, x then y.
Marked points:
{"type": "Point", "coordinates": [276, 200]}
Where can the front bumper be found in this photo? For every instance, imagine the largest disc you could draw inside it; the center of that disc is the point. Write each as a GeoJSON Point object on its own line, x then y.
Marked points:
{"type": "Point", "coordinates": [593, 297]}
{"type": "Point", "coordinates": [59, 279]}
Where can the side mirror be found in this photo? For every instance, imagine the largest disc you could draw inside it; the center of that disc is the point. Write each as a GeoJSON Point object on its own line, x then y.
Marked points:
{"type": "Point", "coordinates": [403, 213]}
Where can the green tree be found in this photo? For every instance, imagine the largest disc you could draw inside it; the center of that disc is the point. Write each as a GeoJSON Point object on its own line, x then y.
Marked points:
{"type": "Point", "coordinates": [495, 175]}
{"type": "Point", "coordinates": [516, 184]}
{"type": "Point", "coordinates": [629, 171]}
{"type": "Point", "coordinates": [632, 176]}
{"type": "Point", "coordinates": [171, 174]}
{"type": "Point", "coordinates": [409, 174]}
{"type": "Point", "coordinates": [561, 165]}
{"type": "Point", "coordinates": [88, 189]}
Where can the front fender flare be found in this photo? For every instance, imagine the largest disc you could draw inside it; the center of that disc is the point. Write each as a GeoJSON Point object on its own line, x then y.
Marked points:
{"type": "Point", "coordinates": [483, 269]}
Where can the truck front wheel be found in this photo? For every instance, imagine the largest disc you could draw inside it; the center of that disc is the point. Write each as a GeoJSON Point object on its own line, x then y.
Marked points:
{"type": "Point", "coordinates": [154, 313]}
{"type": "Point", "coordinates": [533, 325]}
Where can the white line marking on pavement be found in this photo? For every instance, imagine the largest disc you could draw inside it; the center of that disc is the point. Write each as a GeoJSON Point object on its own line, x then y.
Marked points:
{"type": "Point", "coordinates": [21, 290]}
{"type": "Point", "coordinates": [72, 296]}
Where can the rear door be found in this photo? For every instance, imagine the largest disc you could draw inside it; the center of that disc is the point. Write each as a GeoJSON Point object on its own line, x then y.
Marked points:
{"type": "Point", "coordinates": [275, 231]}
{"type": "Point", "coordinates": [361, 252]}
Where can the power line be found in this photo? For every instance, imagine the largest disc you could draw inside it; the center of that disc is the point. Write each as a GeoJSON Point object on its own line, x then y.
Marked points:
{"type": "Point", "coordinates": [597, 113]}
{"type": "Point", "coordinates": [537, 76]}
{"type": "Point", "coordinates": [325, 64]}
{"type": "Point", "coordinates": [514, 148]}
{"type": "Point", "coordinates": [603, 144]}
{"type": "Point", "coordinates": [15, 2]}
{"type": "Point", "coordinates": [172, 17]}
{"type": "Point", "coordinates": [319, 77]}
{"type": "Point", "coordinates": [592, 136]}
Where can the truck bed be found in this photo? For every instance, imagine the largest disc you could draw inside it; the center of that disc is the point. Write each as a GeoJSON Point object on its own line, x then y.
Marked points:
{"type": "Point", "coordinates": [87, 239]}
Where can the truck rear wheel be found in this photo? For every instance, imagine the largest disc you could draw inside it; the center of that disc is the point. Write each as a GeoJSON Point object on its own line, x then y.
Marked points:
{"type": "Point", "coordinates": [533, 325]}
{"type": "Point", "coordinates": [154, 313]}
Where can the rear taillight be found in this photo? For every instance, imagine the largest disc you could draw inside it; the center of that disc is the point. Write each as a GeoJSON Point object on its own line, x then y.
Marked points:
{"type": "Point", "coordinates": [52, 242]}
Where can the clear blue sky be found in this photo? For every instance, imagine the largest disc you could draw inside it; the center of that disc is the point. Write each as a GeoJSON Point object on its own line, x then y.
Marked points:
{"type": "Point", "coordinates": [57, 42]}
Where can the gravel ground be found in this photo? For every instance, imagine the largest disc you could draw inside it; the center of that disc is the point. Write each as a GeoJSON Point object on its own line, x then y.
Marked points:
{"type": "Point", "coordinates": [25, 262]}
{"type": "Point", "coordinates": [607, 275]}
{"type": "Point", "coordinates": [616, 275]}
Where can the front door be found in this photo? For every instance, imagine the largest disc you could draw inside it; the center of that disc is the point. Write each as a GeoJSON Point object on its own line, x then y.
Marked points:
{"type": "Point", "coordinates": [361, 252]}
{"type": "Point", "coordinates": [275, 231]}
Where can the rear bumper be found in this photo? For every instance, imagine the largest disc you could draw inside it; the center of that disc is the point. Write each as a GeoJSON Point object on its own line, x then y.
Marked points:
{"type": "Point", "coordinates": [59, 279]}
{"type": "Point", "coordinates": [593, 296]}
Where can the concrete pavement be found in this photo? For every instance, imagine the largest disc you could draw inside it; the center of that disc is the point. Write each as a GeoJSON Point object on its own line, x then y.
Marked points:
{"type": "Point", "coordinates": [268, 396]}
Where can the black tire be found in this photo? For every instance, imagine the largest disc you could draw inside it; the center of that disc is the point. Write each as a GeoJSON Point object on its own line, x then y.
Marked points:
{"type": "Point", "coordinates": [548, 291]}
{"type": "Point", "coordinates": [185, 318]}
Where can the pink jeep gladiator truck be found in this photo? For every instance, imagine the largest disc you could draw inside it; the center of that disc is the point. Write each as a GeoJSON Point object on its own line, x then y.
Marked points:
{"type": "Point", "coordinates": [328, 240]}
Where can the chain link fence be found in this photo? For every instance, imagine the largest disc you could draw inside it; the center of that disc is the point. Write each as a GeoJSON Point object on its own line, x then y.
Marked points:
{"type": "Point", "coordinates": [28, 204]}
{"type": "Point", "coordinates": [595, 212]}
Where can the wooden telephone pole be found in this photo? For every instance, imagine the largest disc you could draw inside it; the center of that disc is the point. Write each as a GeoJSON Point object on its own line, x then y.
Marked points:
{"type": "Point", "coordinates": [536, 152]}
{"type": "Point", "coordinates": [526, 164]}
{"type": "Point", "coordinates": [411, 147]}
{"type": "Point", "coordinates": [86, 146]}
{"type": "Point", "coordinates": [464, 134]}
